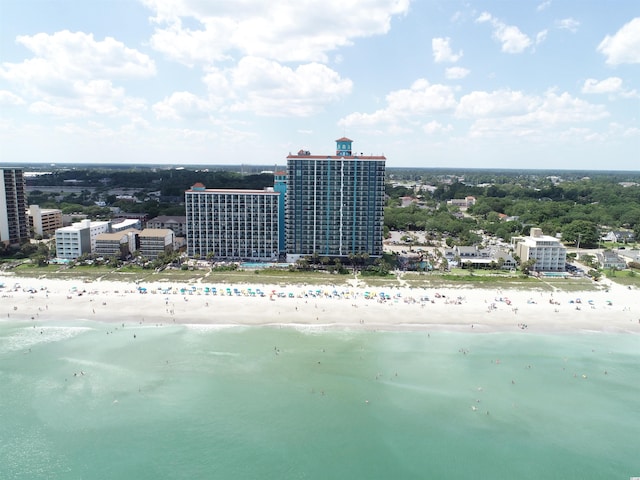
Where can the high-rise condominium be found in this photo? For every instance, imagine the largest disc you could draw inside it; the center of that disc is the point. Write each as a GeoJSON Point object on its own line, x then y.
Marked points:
{"type": "Point", "coordinates": [14, 225]}
{"type": "Point", "coordinates": [334, 203]}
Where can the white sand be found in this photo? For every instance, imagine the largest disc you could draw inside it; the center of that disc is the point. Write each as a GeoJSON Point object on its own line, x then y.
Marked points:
{"type": "Point", "coordinates": [468, 309]}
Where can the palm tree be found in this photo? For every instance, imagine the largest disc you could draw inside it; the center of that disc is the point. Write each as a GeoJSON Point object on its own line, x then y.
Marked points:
{"type": "Point", "coordinates": [352, 258]}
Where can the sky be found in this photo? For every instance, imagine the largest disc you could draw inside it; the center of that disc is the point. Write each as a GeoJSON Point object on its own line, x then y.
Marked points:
{"type": "Point", "coordinates": [545, 84]}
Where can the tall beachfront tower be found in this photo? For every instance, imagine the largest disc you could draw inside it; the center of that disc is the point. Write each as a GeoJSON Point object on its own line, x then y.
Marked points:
{"type": "Point", "coordinates": [335, 203]}
{"type": "Point", "coordinates": [232, 224]}
{"type": "Point", "coordinates": [14, 224]}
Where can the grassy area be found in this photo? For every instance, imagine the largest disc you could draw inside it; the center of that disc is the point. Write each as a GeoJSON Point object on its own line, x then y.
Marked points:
{"type": "Point", "coordinates": [464, 279]}
{"type": "Point", "coordinates": [573, 284]}
{"type": "Point", "coordinates": [26, 268]}
{"type": "Point", "coordinates": [457, 278]}
{"type": "Point", "coordinates": [56, 271]}
{"type": "Point", "coordinates": [628, 278]}
{"type": "Point", "coordinates": [463, 272]}
{"type": "Point", "coordinates": [378, 282]}
{"type": "Point", "coordinates": [311, 278]}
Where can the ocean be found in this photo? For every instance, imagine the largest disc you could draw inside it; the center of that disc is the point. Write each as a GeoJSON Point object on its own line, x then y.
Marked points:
{"type": "Point", "coordinates": [87, 400]}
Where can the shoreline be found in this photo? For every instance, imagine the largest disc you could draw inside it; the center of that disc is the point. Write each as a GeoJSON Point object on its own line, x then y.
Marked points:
{"type": "Point", "coordinates": [464, 309]}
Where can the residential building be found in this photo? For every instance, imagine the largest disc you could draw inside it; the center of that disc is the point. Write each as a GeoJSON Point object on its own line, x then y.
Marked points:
{"type": "Point", "coordinates": [232, 224]}
{"type": "Point", "coordinates": [154, 241]}
{"type": "Point", "coordinates": [73, 241]}
{"type": "Point", "coordinates": [549, 254]}
{"type": "Point", "coordinates": [120, 244]}
{"type": "Point", "coordinates": [14, 226]}
{"type": "Point", "coordinates": [177, 223]}
{"type": "Point", "coordinates": [44, 221]}
{"type": "Point", "coordinates": [95, 229]}
{"type": "Point", "coordinates": [462, 203]}
{"type": "Point", "coordinates": [476, 257]}
{"type": "Point", "coordinates": [334, 203]}
{"type": "Point", "coordinates": [79, 238]}
{"type": "Point", "coordinates": [620, 236]}
{"type": "Point", "coordinates": [610, 259]}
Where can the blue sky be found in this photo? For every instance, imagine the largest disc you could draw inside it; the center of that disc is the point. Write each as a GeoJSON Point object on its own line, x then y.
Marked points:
{"type": "Point", "coordinates": [469, 84]}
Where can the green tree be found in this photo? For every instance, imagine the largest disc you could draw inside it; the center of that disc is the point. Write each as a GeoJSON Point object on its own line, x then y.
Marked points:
{"type": "Point", "coordinates": [527, 266]}
{"type": "Point", "coordinates": [582, 232]}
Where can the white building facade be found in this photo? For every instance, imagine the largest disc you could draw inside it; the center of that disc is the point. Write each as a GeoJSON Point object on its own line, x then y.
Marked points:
{"type": "Point", "coordinates": [79, 238]}
{"type": "Point", "coordinates": [550, 255]}
{"type": "Point", "coordinates": [232, 224]}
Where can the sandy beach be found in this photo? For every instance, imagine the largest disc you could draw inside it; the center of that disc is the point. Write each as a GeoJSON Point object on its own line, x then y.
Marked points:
{"type": "Point", "coordinates": [454, 309]}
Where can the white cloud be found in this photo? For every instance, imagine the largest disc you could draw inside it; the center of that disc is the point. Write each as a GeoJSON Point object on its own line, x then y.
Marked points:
{"type": "Point", "coordinates": [504, 113]}
{"type": "Point", "coordinates": [218, 84]}
{"type": "Point", "coordinates": [442, 51]}
{"type": "Point", "coordinates": [434, 127]}
{"type": "Point", "coordinates": [259, 86]}
{"type": "Point", "coordinates": [194, 46]}
{"type": "Point", "coordinates": [70, 75]}
{"type": "Point", "coordinates": [456, 73]}
{"type": "Point", "coordinates": [406, 105]}
{"type": "Point", "coordinates": [512, 39]}
{"type": "Point", "coordinates": [493, 104]}
{"type": "Point", "coordinates": [484, 17]}
{"type": "Point", "coordinates": [608, 85]}
{"type": "Point", "coordinates": [611, 86]}
{"type": "Point", "coordinates": [8, 99]}
{"type": "Point", "coordinates": [543, 6]}
{"type": "Point", "coordinates": [516, 114]}
{"type": "Point", "coordinates": [570, 24]}
{"type": "Point", "coordinates": [280, 30]}
{"type": "Point", "coordinates": [180, 106]}
{"type": "Point", "coordinates": [421, 98]}
{"type": "Point", "coordinates": [68, 54]}
{"type": "Point", "coordinates": [510, 36]}
{"type": "Point", "coordinates": [45, 108]}
{"type": "Point", "coordinates": [624, 45]}
{"type": "Point", "coordinates": [541, 37]}
{"type": "Point", "coordinates": [265, 87]}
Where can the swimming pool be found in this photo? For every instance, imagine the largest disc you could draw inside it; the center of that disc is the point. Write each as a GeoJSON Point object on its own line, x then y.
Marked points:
{"type": "Point", "coordinates": [259, 265]}
{"type": "Point", "coordinates": [554, 274]}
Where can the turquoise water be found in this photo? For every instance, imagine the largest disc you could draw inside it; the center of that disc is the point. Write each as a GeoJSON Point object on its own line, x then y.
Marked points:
{"type": "Point", "coordinates": [233, 403]}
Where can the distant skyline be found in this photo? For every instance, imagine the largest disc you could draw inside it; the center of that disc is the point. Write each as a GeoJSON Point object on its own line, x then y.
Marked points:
{"type": "Point", "coordinates": [545, 84]}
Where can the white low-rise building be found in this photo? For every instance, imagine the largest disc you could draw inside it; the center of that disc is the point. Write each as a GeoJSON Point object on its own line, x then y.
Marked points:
{"type": "Point", "coordinates": [79, 238]}
{"type": "Point", "coordinates": [549, 254]}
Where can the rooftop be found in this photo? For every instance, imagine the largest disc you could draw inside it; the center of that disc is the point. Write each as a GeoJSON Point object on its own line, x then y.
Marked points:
{"type": "Point", "coordinates": [202, 189]}
{"type": "Point", "coordinates": [338, 157]}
